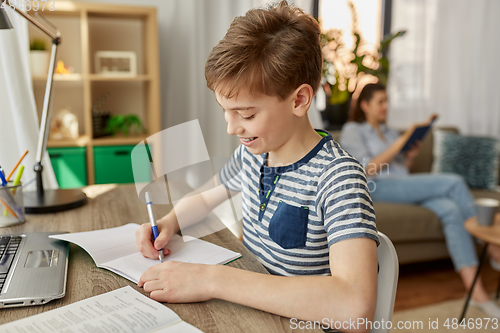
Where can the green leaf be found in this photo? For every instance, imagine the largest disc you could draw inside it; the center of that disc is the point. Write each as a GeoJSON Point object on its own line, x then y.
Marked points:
{"type": "Point", "coordinates": [38, 44]}
{"type": "Point", "coordinates": [339, 96]}
{"type": "Point", "coordinates": [348, 63]}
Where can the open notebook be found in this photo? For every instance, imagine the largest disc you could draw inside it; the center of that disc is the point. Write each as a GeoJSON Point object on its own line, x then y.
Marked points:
{"type": "Point", "coordinates": [115, 249]}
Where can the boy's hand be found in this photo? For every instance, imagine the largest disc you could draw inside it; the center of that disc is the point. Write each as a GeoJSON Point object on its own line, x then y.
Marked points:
{"type": "Point", "coordinates": [144, 239]}
{"type": "Point", "coordinates": [178, 282]}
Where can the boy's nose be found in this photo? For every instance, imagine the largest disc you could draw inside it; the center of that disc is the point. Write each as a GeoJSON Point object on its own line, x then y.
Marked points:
{"type": "Point", "coordinates": [233, 126]}
{"type": "Point", "coordinates": [234, 129]}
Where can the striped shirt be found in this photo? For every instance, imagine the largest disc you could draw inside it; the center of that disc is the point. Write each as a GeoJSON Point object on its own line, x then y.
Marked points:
{"type": "Point", "coordinates": [292, 214]}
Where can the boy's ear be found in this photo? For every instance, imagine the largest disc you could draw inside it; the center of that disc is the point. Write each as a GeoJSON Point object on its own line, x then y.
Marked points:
{"type": "Point", "coordinates": [302, 99]}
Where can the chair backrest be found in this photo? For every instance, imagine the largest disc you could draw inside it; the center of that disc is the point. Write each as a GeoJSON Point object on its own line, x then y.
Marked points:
{"type": "Point", "coordinates": [387, 283]}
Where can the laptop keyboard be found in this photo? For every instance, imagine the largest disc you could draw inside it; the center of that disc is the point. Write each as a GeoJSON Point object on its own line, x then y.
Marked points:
{"type": "Point", "coordinates": [8, 249]}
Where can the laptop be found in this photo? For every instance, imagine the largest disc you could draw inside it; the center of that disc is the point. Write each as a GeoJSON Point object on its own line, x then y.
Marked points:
{"type": "Point", "coordinates": [33, 269]}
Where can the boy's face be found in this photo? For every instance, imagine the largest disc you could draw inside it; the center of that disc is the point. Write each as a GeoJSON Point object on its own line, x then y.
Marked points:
{"type": "Point", "coordinates": [263, 123]}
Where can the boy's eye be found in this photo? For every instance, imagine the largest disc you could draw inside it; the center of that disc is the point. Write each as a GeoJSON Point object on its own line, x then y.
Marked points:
{"type": "Point", "coordinates": [248, 118]}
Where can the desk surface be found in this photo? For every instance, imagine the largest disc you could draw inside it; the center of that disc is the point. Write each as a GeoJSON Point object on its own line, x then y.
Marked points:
{"type": "Point", "coordinates": [115, 205]}
{"type": "Point", "coordinates": [489, 234]}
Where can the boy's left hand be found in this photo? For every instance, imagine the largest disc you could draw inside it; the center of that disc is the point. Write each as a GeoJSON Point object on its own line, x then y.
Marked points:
{"type": "Point", "coordinates": [177, 282]}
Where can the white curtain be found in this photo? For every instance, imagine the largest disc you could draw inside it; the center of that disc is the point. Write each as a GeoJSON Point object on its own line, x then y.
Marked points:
{"type": "Point", "coordinates": [194, 28]}
{"type": "Point", "coordinates": [446, 63]}
{"type": "Point", "coordinates": [19, 126]}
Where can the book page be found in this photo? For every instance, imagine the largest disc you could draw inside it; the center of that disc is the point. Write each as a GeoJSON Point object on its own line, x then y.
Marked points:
{"type": "Point", "coordinates": [195, 251]}
{"type": "Point", "coordinates": [105, 244]}
{"type": "Point", "coordinates": [121, 310]}
{"type": "Point", "coordinates": [115, 250]}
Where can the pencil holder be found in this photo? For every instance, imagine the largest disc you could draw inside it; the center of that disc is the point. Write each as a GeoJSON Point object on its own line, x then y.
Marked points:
{"type": "Point", "coordinates": [11, 205]}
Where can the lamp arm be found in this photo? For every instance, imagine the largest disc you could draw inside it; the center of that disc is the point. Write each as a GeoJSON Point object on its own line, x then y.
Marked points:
{"type": "Point", "coordinates": [31, 20]}
{"type": "Point", "coordinates": [44, 124]}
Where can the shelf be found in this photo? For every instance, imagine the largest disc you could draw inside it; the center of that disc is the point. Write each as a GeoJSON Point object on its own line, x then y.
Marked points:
{"type": "Point", "coordinates": [81, 141]}
{"type": "Point", "coordinates": [62, 8]}
{"type": "Point", "coordinates": [117, 33]}
{"type": "Point", "coordinates": [60, 77]}
{"type": "Point", "coordinates": [97, 77]}
{"type": "Point", "coordinates": [87, 28]}
{"type": "Point", "coordinates": [119, 140]}
{"type": "Point", "coordinates": [94, 77]}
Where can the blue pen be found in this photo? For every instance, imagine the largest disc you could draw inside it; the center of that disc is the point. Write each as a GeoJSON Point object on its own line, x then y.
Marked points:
{"type": "Point", "coordinates": [152, 219]}
{"type": "Point", "coordinates": [2, 177]}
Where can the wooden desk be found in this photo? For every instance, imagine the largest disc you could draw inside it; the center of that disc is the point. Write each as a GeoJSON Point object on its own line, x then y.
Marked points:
{"type": "Point", "coordinates": [115, 205]}
{"type": "Point", "coordinates": [489, 235]}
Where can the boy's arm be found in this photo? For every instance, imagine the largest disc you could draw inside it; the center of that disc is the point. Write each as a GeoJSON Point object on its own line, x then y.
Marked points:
{"type": "Point", "coordinates": [193, 208]}
{"type": "Point", "coordinates": [348, 294]}
{"type": "Point", "coordinates": [196, 205]}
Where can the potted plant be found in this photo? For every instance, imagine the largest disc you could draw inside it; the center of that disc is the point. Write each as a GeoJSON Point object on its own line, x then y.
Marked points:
{"type": "Point", "coordinates": [39, 57]}
{"type": "Point", "coordinates": [343, 68]}
{"type": "Point", "coordinates": [124, 124]}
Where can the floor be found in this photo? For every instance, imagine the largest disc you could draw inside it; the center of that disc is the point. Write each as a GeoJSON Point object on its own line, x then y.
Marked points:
{"type": "Point", "coordinates": [434, 282]}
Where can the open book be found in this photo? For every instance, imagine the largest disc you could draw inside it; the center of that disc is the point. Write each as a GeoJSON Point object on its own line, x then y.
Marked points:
{"type": "Point", "coordinates": [115, 249]}
{"type": "Point", "coordinates": [120, 310]}
{"type": "Point", "coordinates": [418, 134]}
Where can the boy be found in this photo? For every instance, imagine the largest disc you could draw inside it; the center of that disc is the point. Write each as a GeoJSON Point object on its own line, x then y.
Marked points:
{"type": "Point", "coordinates": [307, 213]}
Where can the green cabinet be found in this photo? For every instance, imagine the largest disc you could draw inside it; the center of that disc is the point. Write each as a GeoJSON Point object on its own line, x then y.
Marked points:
{"type": "Point", "coordinates": [70, 166]}
{"type": "Point", "coordinates": [113, 165]}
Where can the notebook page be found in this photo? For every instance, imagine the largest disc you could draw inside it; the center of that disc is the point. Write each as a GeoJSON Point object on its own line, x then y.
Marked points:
{"type": "Point", "coordinates": [121, 310]}
{"type": "Point", "coordinates": [115, 249]}
{"type": "Point", "coordinates": [195, 251]}
{"type": "Point", "coordinates": [106, 244]}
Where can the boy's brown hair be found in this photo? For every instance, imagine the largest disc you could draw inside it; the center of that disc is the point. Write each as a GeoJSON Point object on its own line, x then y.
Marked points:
{"type": "Point", "coordinates": [269, 51]}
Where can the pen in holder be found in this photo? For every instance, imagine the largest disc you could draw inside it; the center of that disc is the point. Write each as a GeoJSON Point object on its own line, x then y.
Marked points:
{"type": "Point", "coordinates": [11, 205]}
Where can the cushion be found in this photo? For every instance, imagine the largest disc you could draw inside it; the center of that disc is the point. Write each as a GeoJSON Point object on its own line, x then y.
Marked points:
{"type": "Point", "coordinates": [474, 158]}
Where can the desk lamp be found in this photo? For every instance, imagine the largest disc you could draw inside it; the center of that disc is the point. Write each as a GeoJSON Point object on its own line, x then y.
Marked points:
{"type": "Point", "coordinates": [44, 201]}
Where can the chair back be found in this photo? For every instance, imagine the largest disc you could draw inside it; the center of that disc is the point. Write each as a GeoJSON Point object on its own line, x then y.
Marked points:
{"type": "Point", "coordinates": [388, 273]}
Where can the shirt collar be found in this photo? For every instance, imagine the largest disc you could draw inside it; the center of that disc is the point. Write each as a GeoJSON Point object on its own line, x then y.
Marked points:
{"type": "Point", "coordinates": [326, 136]}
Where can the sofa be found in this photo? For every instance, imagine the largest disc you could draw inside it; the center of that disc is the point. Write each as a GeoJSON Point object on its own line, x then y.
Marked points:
{"type": "Point", "coordinates": [415, 231]}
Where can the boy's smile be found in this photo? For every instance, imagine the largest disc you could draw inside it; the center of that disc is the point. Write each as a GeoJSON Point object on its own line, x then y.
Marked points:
{"type": "Point", "coordinates": [257, 120]}
{"type": "Point", "coordinates": [268, 124]}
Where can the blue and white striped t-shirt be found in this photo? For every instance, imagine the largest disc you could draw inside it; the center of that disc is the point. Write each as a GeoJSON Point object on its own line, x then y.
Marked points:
{"type": "Point", "coordinates": [292, 214]}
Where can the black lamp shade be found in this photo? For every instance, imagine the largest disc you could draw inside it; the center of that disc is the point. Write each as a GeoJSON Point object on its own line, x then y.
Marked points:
{"type": "Point", "coordinates": [4, 20]}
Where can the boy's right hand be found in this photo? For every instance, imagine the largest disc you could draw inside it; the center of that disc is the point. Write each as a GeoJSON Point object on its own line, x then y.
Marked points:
{"type": "Point", "coordinates": [146, 243]}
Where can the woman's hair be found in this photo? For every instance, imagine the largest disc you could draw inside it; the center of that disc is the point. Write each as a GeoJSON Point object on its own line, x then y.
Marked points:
{"type": "Point", "coordinates": [366, 94]}
{"type": "Point", "coordinates": [269, 51]}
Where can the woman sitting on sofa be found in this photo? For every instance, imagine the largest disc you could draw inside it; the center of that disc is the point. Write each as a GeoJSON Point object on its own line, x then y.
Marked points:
{"type": "Point", "coordinates": [378, 148]}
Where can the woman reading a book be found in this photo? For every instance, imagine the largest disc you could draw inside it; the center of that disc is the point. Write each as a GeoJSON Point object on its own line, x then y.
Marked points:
{"type": "Point", "coordinates": [379, 148]}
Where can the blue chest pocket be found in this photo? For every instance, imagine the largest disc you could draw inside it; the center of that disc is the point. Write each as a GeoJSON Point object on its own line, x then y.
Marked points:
{"type": "Point", "coordinates": [288, 226]}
